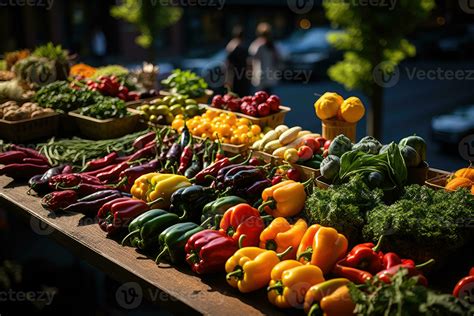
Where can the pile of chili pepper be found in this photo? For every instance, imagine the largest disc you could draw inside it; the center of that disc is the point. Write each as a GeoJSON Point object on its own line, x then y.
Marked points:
{"type": "Point", "coordinates": [365, 260]}
{"type": "Point", "coordinates": [22, 163]}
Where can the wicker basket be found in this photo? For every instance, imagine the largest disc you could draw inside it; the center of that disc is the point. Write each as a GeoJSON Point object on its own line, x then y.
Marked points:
{"type": "Point", "coordinates": [332, 128]}
{"type": "Point", "coordinates": [29, 129]}
{"type": "Point", "coordinates": [106, 129]}
{"type": "Point", "coordinates": [438, 182]}
{"type": "Point", "coordinates": [306, 172]}
{"type": "Point", "coordinates": [272, 120]}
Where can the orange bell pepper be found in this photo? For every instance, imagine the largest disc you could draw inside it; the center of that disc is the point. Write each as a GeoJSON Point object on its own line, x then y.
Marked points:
{"type": "Point", "coordinates": [339, 303]}
{"type": "Point", "coordinates": [280, 234]}
{"type": "Point", "coordinates": [284, 199]}
{"type": "Point", "coordinates": [290, 281]}
{"type": "Point", "coordinates": [322, 246]}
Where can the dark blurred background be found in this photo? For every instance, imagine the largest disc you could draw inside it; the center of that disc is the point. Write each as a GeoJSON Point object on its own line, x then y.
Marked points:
{"type": "Point", "coordinates": [439, 108]}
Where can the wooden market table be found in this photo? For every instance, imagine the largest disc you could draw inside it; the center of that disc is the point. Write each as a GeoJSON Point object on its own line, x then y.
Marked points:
{"type": "Point", "coordinates": [175, 288]}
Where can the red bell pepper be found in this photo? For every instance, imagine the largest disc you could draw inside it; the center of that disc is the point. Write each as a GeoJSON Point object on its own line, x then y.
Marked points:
{"type": "Point", "coordinates": [464, 287]}
{"type": "Point", "coordinates": [391, 259]}
{"type": "Point", "coordinates": [243, 219]}
{"type": "Point", "coordinates": [208, 251]}
{"type": "Point", "coordinates": [118, 213]}
{"type": "Point", "coordinates": [365, 257]}
{"type": "Point", "coordinates": [385, 275]}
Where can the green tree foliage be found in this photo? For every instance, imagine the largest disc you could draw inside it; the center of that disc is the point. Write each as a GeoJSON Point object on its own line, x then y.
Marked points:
{"type": "Point", "coordinates": [148, 16]}
{"type": "Point", "coordinates": [373, 36]}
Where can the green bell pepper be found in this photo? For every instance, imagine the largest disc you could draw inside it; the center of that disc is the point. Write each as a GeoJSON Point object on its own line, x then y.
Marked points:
{"type": "Point", "coordinates": [173, 239]}
{"type": "Point", "coordinates": [145, 229]}
{"type": "Point", "coordinates": [219, 206]}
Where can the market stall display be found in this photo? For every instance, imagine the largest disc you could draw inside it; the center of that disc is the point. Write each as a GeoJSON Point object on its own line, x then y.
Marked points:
{"type": "Point", "coordinates": [361, 238]}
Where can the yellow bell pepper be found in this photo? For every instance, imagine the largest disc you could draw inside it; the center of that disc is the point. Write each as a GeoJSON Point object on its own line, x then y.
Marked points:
{"type": "Point", "coordinates": [339, 303]}
{"type": "Point", "coordinates": [250, 268]}
{"type": "Point", "coordinates": [284, 199]}
{"type": "Point", "coordinates": [316, 293]}
{"type": "Point", "coordinates": [279, 235]}
{"type": "Point", "coordinates": [290, 281]}
{"type": "Point", "coordinates": [322, 246]}
{"type": "Point", "coordinates": [153, 186]}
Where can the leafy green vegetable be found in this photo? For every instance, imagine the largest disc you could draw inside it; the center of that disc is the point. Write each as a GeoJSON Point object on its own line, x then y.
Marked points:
{"type": "Point", "coordinates": [343, 207]}
{"type": "Point", "coordinates": [403, 297]}
{"type": "Point", "coordinates": [62, 98]}
{"type": "Point", "coordinates": [110, 70]}
{"type": "Point", "coordinates": [390, 163]}
{"type": "Point", "coordinates": [185, 83]}
{"type": "Point", "coordinates": [51, 52]}
{"type": "Point", "coordinates": [424, 223]}
{"type": "Point", "coordinates": [106, 108]}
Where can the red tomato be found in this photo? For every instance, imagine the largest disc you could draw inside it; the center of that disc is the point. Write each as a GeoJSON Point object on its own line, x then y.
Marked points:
{"type": "Point", "coordinates": [312, 143]}
{"type": "Point", "coordinates": [305, 153]}
{"type": "Point", "coordinates": [327, 144]}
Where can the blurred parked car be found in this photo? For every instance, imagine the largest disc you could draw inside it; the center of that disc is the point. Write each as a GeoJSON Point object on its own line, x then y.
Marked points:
{"type": "Point", "coordinates": [451, 128]}
{"type": "Point", "coordinates": [309, 50]}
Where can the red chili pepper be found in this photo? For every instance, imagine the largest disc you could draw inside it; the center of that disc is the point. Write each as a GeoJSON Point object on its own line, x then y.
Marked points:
{"type": "Point", "coordinates": [21, 171]}
{"type": "Point", "coordinates": [147, 151]}
{"type": "Point", "coordinates": [113, 174]}
{"type": "Point", "coordinates": [243, 219]}
{"type": "Point", "coordinates": [391, 259]}
{"type": "Point", "coordinates": [365, 257]}
{"type": "Point", "coordinates": [12, 156]}
{"type": "Point", "coordinates": [276, 179]}
{"type": "Point", "coordinates": [84, 189]}
{"type": "Point", "coordinates": [354, 275]}
{"type": "Point", "coordinates": [34, 161]}
{"type": "Point", "coordinates": [98, 171]}
{"type": "Point", "coordinates": [186, 157]}
{"type": "Point", "coordinates": [208, 251]}
{"type": "Point", "coordinates": [143, 140]}
{"type": "Point", "coordinates": [57, 200]}
{"type": "Point", "coordinates": [205, 175]}
{"type": "Point", "coordinates": [67, 169]}
{"type": "Point", "coordinates": [66, 181]}
{"type": "Point", "coordinates": [220, 154]}
{"type": "Point", "coordinates": [101, 162]}
{"type": "Point", "coordinates": [32, 153]}
{"type": "Point", "coordinates": [387, 274]}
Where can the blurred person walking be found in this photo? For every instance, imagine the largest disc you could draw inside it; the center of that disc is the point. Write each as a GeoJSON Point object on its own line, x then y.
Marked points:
{"type": "Point", "coordinates": [237, 57]}
{"type": "Point", "coordinates": [264, 58]}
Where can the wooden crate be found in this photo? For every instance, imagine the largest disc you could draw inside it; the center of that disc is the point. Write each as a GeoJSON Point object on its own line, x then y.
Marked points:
{"type": "Point", "coordinates": [306, 172]}
{"type": "Point", "coordinates": [272, 120]}
{"type": "Point", "coordinates": [108, 128]}
{"type": "Point", "coordinates": [29, 129]}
